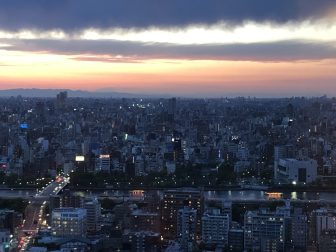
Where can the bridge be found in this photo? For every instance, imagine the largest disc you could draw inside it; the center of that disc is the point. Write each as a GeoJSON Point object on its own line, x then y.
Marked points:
{"type": "Point", "coordinates": [34, 213]}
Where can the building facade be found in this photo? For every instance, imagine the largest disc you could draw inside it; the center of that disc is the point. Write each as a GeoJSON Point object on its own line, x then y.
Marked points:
{"type": "Point", "coordinates": [69, 222]}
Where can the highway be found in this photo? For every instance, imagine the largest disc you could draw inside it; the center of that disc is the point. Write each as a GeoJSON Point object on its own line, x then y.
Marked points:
{"type": "Point", "coordinates": [34, 213]}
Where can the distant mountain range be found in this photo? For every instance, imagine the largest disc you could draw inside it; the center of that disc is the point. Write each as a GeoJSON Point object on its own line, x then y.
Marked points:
{"type": "Point", "coordinates": [36, 92]}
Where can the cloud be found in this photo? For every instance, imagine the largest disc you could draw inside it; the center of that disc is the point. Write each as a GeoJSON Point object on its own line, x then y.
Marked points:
{"type": "Point", "coordinates": [72, 15]}
{"type": "Point", "coordinates": [127, 51]}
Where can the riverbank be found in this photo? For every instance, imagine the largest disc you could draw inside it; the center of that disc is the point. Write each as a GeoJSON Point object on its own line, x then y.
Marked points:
{"type": "Point", "coordinates": [209, 188]}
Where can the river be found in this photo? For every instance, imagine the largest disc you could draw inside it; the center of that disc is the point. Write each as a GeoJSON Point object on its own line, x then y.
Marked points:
{"type": "Point", "coordinates": [225, 195]}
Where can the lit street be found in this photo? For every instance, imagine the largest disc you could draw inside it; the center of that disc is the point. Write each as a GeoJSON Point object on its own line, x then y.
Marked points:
{"type": "Point", "coordinates": [34, 213]}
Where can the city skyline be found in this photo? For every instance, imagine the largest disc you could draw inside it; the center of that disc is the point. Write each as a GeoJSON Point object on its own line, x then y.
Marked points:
{"type": "Point", "coordinates": [222, 48]}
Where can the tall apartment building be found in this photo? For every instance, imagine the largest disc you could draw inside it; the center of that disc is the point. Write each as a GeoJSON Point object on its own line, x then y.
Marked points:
{"type": "Point", "coordinates": [172, 201]}
{"type": "Point", "coordinates": [264, 231]}
{"type": "Point", "coordinates": [68, 199]}
{"type": "Point", "coordinates": [93, 212]}
{"type": "Point", "coordinates": [186, 227]}
{"type": "Point", "coordinates": [69, 222]}
{"type": "Point", "coordinates": [322, 220]}
{"type": "Point", "coordinates": [103, 163]}
{"type": "Point", "coordinates": [215, 227]}
{"type": "Point", "coordinates": [299, 230]}
{"type": "Point", "coordinates": [227, 209]}
{"type": "Point", "coordinates": [327, 241]}
{"type": "Point", "coordinates": [236, 239]}
{"type": "Point", "coordinates": [145, 221]}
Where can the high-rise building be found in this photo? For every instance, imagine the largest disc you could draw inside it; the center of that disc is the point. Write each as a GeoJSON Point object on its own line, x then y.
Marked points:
{"type": "Point", "coordinates": [322, 219]}
{"type": "Point", "coordinates": [61, 99]}
{"type": "Point", "coordinates": [236, 239]}
{"type": "Point", "coordinates": [186, 227]}
{"type": "Point", "coordinates": [145, 221]}
{"type": "Point", "coordinates": [71, 200]}
{"type": "Point", "coordinates": [227, 209]}
{"type": "Point", "coordinates": [139, 166]}
{"type": "Point", "coordinates": [264, 231]}
{"type": "Point", "coordinates": [299, 232]}
{"type": "Point", "coordinates": [281, 152]}
{"type": "Point", "coordinates": [9, 219]}
{"type": "Point", "coordinates": [215, 227]}
{"type": "Point", "coordinates": [93, 212]}
{"type": "Point", "coordinates": [171, 109]}
{"type": "Point", "coordinates": [69, 222]}
{"type": "Point", "coordinates": [142, 242]}
{"type": "Point", "coordinates": [80, 164]}
{"type": "Point", "coordinates": [327, 241]}
{"type": "Point", "coordinates": [103, 163]}
{"type": "Point", "coordinates": [172, 201]}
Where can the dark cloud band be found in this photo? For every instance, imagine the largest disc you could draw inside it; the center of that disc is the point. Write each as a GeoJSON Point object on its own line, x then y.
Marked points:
{"type": "Point", "coordinates": [80, 14]}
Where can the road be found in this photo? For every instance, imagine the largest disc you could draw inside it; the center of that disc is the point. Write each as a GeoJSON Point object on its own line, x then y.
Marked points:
{"type": "Point", "coordinates": [34, 213]}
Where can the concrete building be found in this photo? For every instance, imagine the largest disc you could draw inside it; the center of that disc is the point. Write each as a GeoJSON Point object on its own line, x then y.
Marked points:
{"type": "Point", "coordinates": [186, 227]}
{"type": "Point", "coordinates": [227, 209]}
{"type": "Point", "coordinates": [69, 222]}
{"type": "Point", "coordinates": [142, 241]}
{"type": "Point", "coordinates": [145, 221]}
{"type": "Point", "coordinates": [294, 171]}
{"type": "Point", "coordinates": [327, 241]}
{"type": "Point", "coordinates": [5, 239]}
{"type": "Point", "coordinates": [68, 199]}
{"type": "Point", "coordinates": [322, 220]}
{"type": "Point", "coordinates": [103, 163]}
{"type": "Point", "coordinates": [282, 152]}
{"type": "Point", "coordinates": [236, 239]}
{"type": "Point", "coordinates": [93, 211]}
{"type": "Point", "coordinates": [9, 219]}
{"type": "Point", "coordinates": [299, 232]}
{"type": "Point", "coordinates": [264, 231]}
{"type": "Point", "coordinates": [215, 227]}
{"type": "Point", "coordinates": [172, 201]}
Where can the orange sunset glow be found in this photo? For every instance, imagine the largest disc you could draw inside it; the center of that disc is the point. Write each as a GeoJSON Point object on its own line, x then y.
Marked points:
{"type": "Point", "coordinates": [267, 57]}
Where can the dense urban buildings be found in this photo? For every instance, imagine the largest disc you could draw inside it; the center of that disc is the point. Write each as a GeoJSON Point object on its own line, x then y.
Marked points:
{"type": "Point", "coordinates": [242, 174]}
{"type": "Point", "coordinates": [167, 126]}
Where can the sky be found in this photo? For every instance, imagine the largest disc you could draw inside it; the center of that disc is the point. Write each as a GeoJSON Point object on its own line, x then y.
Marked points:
{"type": "Point", "coordinates": [191, 48]}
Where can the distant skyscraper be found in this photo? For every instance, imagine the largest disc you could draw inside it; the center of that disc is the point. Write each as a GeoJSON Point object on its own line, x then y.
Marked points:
{"type": "Point", "coordinates": [172, 106]}
{"type": "Point", "coordinates": [40, 111]}
{"type": "Point", "coordinates": [61, 99]}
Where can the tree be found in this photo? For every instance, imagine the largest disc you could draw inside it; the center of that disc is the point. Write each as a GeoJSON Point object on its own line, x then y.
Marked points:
{"type": "Point", "coordinates": [226, 172]}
